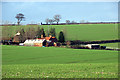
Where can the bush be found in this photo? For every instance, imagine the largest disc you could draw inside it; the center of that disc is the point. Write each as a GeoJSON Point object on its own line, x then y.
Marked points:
{"type": "Point", "coordinates": [61, 37]}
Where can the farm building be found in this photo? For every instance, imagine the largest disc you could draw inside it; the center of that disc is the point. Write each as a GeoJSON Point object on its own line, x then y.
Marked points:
{"type": "Point", "coordinates": [91, 46]}
{"type": "Point", "coordinates": [35, 42]}
{"type": "Point", "coordinates": [47, 41]}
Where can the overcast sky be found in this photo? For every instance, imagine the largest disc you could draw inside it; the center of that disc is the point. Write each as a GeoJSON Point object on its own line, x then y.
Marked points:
{"type": "Point", "coordinates": [37, 12]}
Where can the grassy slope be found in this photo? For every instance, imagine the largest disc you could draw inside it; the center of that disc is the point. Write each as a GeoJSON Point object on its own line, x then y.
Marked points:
{"type": "Point", "coordinates": [80, 32]}
{"type": "Point", "coordinates": [38, 62]}
{"type": "Point", "coordinates": [113, 45]}
{"type": "Point", "coordinates": [89, 31]}
{"type": "Point", "coordinates": [48, 55]}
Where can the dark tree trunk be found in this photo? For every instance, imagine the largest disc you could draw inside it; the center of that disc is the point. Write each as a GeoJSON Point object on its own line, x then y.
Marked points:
{"type": "Point", "coordinates": [18, 23]}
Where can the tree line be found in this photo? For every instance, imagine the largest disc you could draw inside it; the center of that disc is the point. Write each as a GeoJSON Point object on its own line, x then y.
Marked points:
{"type": "Point", "coordinates": [56, 18]}
{"type": "Point", "coordinates": [20, 17]}
{"type": "Point", "coordinates": [30, 33]}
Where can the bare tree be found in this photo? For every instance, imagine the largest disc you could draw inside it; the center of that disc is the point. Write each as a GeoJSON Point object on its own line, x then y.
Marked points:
{"type": "Point", "coordinates": [19, 17]}
{"type": "Point", "coordinates": [51, 21]}
{"type": "Point", "coordinates": [82, 21]}
{"type": "Point", "coordinates": [73, 21]}
{"type": "Point", "coordinates": [87, 21]}
{"type": "Point", "coordinates": [57, 18]}
{"type": "Point", "coordinates": [67, 21]}
{"type": "Point", "coordinates": [47, 20]}
{"type": "Point", "coordinates": [52, 32]}
{"type": "Point", "coordinates": [7, 33]}
{"type": "Point", "coordinates": [30, 33]}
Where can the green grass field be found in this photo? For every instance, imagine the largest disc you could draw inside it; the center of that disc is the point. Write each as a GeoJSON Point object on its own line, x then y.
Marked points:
{"type": "Point", "coordinates": [93, 70]}
{"type": "Point", "coordinates": [85, 32]}
{"type": "Point", "coordinates": [51, 62]}
{"type": "Point", "coordinates": [113, 45]}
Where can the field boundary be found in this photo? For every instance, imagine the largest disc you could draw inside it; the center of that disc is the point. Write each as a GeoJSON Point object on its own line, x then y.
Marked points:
{"type": "Point", "coordinates": [93, 42]}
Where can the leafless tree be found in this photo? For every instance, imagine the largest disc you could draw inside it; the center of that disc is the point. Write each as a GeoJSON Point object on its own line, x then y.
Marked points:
{"type": "Point", "coordinates": [19, 17]}
{"type": "Point", "coordinates": [47, 20]}
{"type": "Point", "coordinates": [82, 21]}
{"type": "Point", "coordinates": [30, 33]}
{"type": "Point", "coordinates": [51, 21]}
{"type": "Point", "coordinates": [57, 18]}
{"type": "Point", "coordinates": [67, 21]}
{"type": "Point", "coordinates": [73, 21]}
{"type": "Point", "coordinates": [7, 34]}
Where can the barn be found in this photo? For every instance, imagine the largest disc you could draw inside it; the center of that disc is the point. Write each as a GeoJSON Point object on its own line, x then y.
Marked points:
{"type": "Point", "coordinates": [40, 42]}
{"type": "Point", "coordinates": [35, 42]}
